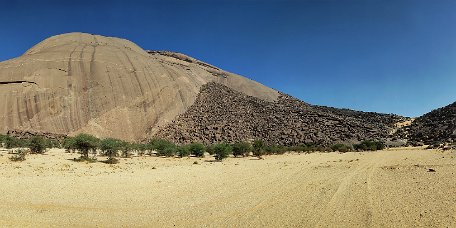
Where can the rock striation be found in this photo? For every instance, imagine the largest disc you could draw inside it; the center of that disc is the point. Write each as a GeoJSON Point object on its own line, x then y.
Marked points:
{"type": "Point", "coordinates": [223, 114]}
{"type": "Point", "coordinates": [105, 86]}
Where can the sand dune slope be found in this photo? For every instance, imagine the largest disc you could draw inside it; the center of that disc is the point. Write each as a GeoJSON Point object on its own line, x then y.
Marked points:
{"type": "Point", "coordinates": [380, 189]}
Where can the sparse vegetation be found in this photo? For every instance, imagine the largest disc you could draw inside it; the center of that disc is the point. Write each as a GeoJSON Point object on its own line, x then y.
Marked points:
{"type": "Point", "coordinates": [210, 149]}
{"type": "Point", "coordinates": [37, 145]}
{"type": "Point", "coordinates": [110, 147]}
{"type": "Point", "coordinates": [274, 149]}
{"type": "Point", "coordinates": [51, 143]}
{"type": "Point", "coordinates": [183, 151]}
{"type": "Point", "coordinates": [222, 151]}
{"type": "Point", "coordinates": [197, 149]}
{"type": "Point", "coordinates": [13, 142]}
{"type": "Point", "coordinates": [69, 144]}
{"type": "Point", "coordinates": [19, 156]}
{"type": "Point", "coordinates": [2, 139]}
{"type": "Point", "coordinates": [341, 148]}
{"type": "Point", "coordinates": [163, 147]}
{"type": "Point", "coordinates": [126, 149]}
{"type": "Point", "coordinates": [241, 149]}
{"type": "Point", "coordinates": [369, 146]}
{"type": "Point", "coordinates": [258, 148]}
{"type": "Point", "coordinates": [141, 148]}
{"type": "Point", "coordinates": [85, 143]}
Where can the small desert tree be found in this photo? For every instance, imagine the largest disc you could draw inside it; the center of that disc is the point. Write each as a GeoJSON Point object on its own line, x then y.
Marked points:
{"type": "Point", "coordinates": [163, 147]}
{"type": "Point", "coordinates": [183, 151]}
{"type": "Point", "coordinates": [37, 145]}
{"type": "Point", "coordinates": [141, 148]}
{"type": "Point", "coordinates": [126, 149]}
{"type": "Point", "coordinates": [13, 142]}
{"type": "Point", "coordinates": [241, 149]}
{"type": "Point", "coordinates": [110, 148]}
{"type": "Point", "coordinates": [222, 151]}
{"type": "Point", "coordinates": [68, 144]}
{"type": "Point", "coordinates": [341, 147]}
{"type": "Point", "coordinates": [258, 148]}
{"type": "Point", "coordinates": [197, 149]}
{"type": "Point", "coordinates": [2, 139]}
{"type": "Point", "coordinates": [85, 143]}
{"type": "Point", "coordinates": [210, 149]}
{"type": "Point", "coordinates": [369, 145]}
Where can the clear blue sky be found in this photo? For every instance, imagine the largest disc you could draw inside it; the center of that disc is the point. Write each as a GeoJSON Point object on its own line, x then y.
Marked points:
{"type": "Point", "coordinates": [389, 56]}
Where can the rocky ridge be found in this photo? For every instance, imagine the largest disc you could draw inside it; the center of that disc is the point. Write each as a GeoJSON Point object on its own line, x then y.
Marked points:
{"type": "Point", "coordinates": [435, 127]}
{"type": "Point", "coordinates": [222, 114]}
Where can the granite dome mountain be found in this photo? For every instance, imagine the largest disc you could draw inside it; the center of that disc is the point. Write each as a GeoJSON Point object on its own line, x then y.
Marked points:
{"type": "Point", "coordinates": [110, 87]}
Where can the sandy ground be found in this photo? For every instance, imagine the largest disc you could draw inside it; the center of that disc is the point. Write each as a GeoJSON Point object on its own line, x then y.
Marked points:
{"type": "Point", "coordinates": [391, 188]}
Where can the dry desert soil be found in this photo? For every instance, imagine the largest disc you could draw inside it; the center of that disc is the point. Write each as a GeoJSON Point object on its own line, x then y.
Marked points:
{"type": "Point", "coordinates": [390, 188]}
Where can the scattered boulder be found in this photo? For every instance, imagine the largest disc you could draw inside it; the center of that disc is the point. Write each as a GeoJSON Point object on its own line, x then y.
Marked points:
{"type": "Point", "coordinates": [434, 128]}
{"type": "Point", "coordinates": [221, 114]}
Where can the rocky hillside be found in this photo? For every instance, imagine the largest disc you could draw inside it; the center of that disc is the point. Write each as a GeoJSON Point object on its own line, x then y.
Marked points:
{"type": "Point", "coordinates": [222, 114]}
{"type": "Point", "coordinates": [110, 87]}
{"type": "Point", "coordinates": [436, 127]}
{"type": "Point", "coordinates": [105, 86]}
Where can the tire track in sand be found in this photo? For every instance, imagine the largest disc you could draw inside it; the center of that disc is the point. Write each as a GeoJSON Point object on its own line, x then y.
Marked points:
{"type": "Point", "coordinates": [352, 203]}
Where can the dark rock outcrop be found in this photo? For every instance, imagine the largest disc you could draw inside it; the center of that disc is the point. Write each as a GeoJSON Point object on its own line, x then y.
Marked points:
{"type": "Point", "coordinates": [435, 127]}
{"type": "Point", "coordinates": [29, 134]}
{"type": "Point", "coordinates": [223, 114]}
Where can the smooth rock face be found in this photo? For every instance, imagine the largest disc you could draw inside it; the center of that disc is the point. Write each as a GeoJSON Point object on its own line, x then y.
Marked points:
{"type": "Point", "coordinates": [105, 86]}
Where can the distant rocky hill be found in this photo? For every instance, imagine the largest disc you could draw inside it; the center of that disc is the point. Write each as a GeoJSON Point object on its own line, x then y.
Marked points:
{"type": "Point", "coordinates": [110, 87]}
{"type": "Point", "coordinates": [435, 127]}
{"type": "Point", "coordinates": [222, 114]}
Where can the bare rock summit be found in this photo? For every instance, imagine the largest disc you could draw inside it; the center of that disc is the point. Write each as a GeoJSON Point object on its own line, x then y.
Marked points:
{"type": "Point", "coordinates": [104, 86]}
{"type": "Point", "coordinates": [110, 87]}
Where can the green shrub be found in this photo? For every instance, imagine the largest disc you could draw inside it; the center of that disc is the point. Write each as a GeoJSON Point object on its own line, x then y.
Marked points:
{"type": "Point", "coordinates": [2, 139]}
{"type": "Point", "coordinates": [52, 143]}
{"type": "Point", "coordinates": [258, 148]}
{"type": "Point", "coordinates": [275, 149]}
{"type": "Point", "coordinates": [369, 146]}
{"type": "Point", "coordinates": [210, 149]}
{"type": "Point", "coordinates": [183, 151]}
{"type": "Point", "coordinates": [300, 148]}
{"type": "Point", "coordinates": [197, 149]}
{"type": "Point", "coordinates": [19, 156]}
{"type": "Point", "coordinates": [37, 145]}
{"type": "Point", "coordinates": [126, 149]}
{"type": "Point", "coordinates": [222, 151]}
{"type": "Point", "coordinates": [163, 147]}
{"type": "Point", "coordinates": [341, 148]}
{"type": "Point", "coordinates": [169, 151]}
{"type": "Point", "coordinates": [141, 148]}
{"type": "Point", "coordinates": [13, 142]}
{"type": "Point", "coordinates": [69, 144]}
{"type": "Point", "coordinates": [110, 147]}
{"type": "Point", "coordinates": [241, 149]}
{"type": "Point", "coordinates": [85, 143]}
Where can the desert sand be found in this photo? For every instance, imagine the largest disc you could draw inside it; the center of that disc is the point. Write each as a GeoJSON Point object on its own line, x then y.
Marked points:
{"type": "Point", "coordinates": [390, 188]}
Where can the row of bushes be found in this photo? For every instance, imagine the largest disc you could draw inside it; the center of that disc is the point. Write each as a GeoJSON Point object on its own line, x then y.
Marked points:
{"type": "Point", "coordinates": [37, 144]}
{"type": "Point", "coordinates": [363, 146]}
{"type": "Point", "coordinates": [112, 148]}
